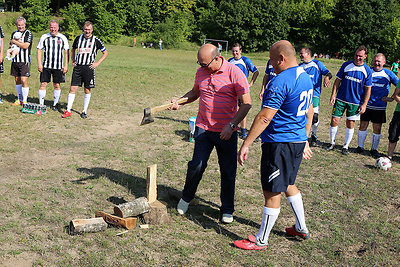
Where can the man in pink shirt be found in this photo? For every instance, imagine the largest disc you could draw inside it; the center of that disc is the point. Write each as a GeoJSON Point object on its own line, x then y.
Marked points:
{"type": "Point", "coordinates": [218, 85]}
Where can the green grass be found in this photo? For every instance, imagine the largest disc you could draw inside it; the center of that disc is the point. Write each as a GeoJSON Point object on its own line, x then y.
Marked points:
{"type": "Point", "coordinates": [53, 170]}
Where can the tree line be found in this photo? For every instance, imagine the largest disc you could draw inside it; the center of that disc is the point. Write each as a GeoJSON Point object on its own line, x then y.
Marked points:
{"type": "Point", "coordinates": [334, 27]}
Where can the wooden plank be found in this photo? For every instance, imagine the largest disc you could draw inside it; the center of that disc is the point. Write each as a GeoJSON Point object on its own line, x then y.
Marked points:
{"type": "Point", "coordinates": [127, 223]}
{"type": "Point", "coordinates": [92, 225]}
{"type": "Point", "coordinates": [152, 183]}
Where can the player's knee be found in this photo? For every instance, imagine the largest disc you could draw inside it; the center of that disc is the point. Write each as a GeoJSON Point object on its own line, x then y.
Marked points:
{"type": "Point", "coordinates": [315, 118]}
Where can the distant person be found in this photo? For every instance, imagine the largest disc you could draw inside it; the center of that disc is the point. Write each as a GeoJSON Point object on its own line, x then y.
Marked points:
{"type": "Point", "coordinates": [20, 66]}
{"type": "Point", "coordinates": [160, 44]}
{"type": "Point", "coordinates": [245, 65]}
{"type": "Point", "coordinates": [394, 128]}
{"type": "Point", "coordinates": [376, 108]}
{"type": "Point", "coordinates": [220, 47]}
{"type": "Point", "coordinates": [268, 75]}
{"type": "Point", "coordinates": [315, 69]}
{"type": "Point", "coordinates": [395, 67]}
{"type": "Point", "coordinates": [13, 51]}
{"type": "Point", "coordinates": [134, 41]}
{"type": "Point", "coordinates": [283, 124]}
{"type": "Point", "coordinates": [350, 93]}
{"type": "Point", "coordinates": [84, 63]}
{"type": "Point", "coordinates": [55, 48]}
{"type": "Point", "coordinates": [1, 55]}
{"type": "Point", "coordinates": [218, 85]}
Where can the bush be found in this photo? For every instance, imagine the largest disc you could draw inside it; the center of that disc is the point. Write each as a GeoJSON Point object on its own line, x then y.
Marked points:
{"type": "Point", "coordinates": [74, 18]}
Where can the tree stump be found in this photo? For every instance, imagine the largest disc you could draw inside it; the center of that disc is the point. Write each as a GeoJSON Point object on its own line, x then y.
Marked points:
{"type": "Point", "coordinates": [92, 225]}
{"type": "Point", "coordinates": [133, 208]}
{"type": "Point", "coordinates": [158, 213]}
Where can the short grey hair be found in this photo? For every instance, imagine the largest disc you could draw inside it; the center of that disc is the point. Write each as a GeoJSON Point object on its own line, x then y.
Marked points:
{"type": "Point", "coordinates": [20, 19]}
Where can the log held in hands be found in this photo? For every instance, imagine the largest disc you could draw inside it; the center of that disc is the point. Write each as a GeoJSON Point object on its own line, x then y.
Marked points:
{"type": "Point", "coordinates": [133, 208]}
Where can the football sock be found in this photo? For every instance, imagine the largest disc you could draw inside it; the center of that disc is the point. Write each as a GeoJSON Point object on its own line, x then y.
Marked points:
{"type": "Point", "coordinates": [25, 93]}
{"type": "Point", "coordinates": [86, 101]}
{"type": "Point", "coordinates": [71, 99]}
{"type": "Point", "coordinates": [333, 131]}
{"type": "Point", "coordinates": [42, 95]}
{"type": "Point", "coordinates": [348, 135]}
{"type": "Point", "coordinates": [362, 135]}
{"type": "Point", "coordinates": [268, 220]}
{"type": "Point", "coordinates": [376, 138]}
{"type": "Point", "coordinates": [296, 203]}
{"type": "Point", "coordinates": [314, 128]}
{"type": "Point", "coordinates": [57, 95]}
{"type": "Point", "coordinates": [18, 88]}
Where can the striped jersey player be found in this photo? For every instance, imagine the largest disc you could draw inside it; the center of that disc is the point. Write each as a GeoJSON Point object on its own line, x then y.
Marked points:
{"type": "Point", "coordinates": [84, 61]}
{"type": "Point", "coordinates": [55, 48]}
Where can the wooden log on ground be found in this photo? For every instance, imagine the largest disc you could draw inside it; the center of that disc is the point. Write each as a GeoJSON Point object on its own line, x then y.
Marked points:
{"type": "Point", "coordinates": [92, 225]}
{"type": "Point", "coordinates": [152, 183]}
{"type": "Point", "coordinates": [133, 208]}
{"type": "Point", "coordinates": [158, 213]}
{"type": "Point", "coordinates": [127, 223]}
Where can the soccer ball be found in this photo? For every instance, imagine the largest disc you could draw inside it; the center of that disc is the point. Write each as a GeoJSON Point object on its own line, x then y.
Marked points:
{"type": "Point", "coordinates": [383, 163]}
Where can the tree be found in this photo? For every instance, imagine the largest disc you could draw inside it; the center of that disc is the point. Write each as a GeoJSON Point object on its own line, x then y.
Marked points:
{"type": "Point", "coordinates": [37, 14]}
{"type": "Point", "coordinates": [138, 17]}
{"type": "Point", "coordinates": [74, 17]}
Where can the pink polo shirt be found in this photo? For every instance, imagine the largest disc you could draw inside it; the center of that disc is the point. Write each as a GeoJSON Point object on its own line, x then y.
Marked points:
{"type": "Point", "coordinates": [219, 92]}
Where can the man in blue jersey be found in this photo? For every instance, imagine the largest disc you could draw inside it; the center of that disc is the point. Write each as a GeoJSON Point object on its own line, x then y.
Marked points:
{"type": "Point", "coordinates": [269, 74]}
{"type": "Point", "coordinates": [245, 65]}
{"type": "Point", "coordinates": [350, 92]}
{"type": "Point", "coordinates": [376, 108]}
{"type": "Point", "coordinates": [283, 124]}
{"type": "Point", "coordinates": [315, 69]}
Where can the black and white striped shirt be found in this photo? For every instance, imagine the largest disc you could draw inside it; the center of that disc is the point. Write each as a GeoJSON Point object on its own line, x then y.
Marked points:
{"type": "Point", "coordinates": [53, 50]}
{"type": "Point", "coordinates": [1, 32]}
{"type": "Point", "coordinates": [86, 49]}
{"type": "Point", "coordinates": [24, 55]}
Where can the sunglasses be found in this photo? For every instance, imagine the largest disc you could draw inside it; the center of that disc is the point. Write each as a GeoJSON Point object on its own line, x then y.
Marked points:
{"type": "Point", "coordinates": [204, 65]}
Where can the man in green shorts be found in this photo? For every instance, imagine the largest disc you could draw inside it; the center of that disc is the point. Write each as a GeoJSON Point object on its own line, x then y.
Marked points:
{"type": "Point", "coordinates": [395, 67]}
{"type": "Point", "coordinates": [353, 80]}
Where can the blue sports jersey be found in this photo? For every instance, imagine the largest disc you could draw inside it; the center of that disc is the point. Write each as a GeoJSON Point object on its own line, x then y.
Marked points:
{"type": "Point", "coordinates": [269, 70]}
{"type": "Point", "coordinates": [244, 64]}
{"type": "Point", "coordinates": [381, 81]}
{"type": "Point", "coordinates": [353, 80]}
{"type": "Point", "coordinates": [290, 93]}
{"type": "Point", "coordinates": [315, 69]}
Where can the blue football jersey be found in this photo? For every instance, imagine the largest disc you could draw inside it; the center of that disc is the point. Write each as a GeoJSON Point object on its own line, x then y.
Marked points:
{"type": "Point", "coordinates": [353, 80]}
{"type": "Point", "coordinates": [290, 93]}
{"type": "Point", "coordinates": [244, 64]}
{"type": "Point", "coordinates": [381, 81]}
{"type": "Point", "coordinates": [315, 69]}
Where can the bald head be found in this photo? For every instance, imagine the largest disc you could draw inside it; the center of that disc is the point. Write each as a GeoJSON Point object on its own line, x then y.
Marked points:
{"type": "Point", "coordinates": [207, 50]}
{"type": "Point", "coordinates": [283, 56]}
{"type": "Point", "coordinates": [208, 57]}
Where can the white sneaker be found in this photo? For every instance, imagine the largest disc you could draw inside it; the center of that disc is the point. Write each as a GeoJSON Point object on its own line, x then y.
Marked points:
{"type": "Point", "coordinates": [182, 206]}
{"type": "Point", "coordinates": [227, 218]}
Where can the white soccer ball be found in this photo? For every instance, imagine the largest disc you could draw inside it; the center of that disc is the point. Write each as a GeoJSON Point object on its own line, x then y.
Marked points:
{"type": "Point", "coordinates": [383, 163]}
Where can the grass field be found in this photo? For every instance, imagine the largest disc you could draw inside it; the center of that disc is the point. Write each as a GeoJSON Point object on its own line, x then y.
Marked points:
{"type": "Point", "coordinates": [53, 170]}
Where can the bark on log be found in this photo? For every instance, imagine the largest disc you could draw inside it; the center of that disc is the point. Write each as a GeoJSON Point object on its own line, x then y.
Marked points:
{"type": "Point", "coordinates": [92, 225]}
{"type": "Point", "coordinates": [133, 208]}
{"type": "Point", "coordinates": [127, 223]}
{"type": "Point", "coordinates": [158, 213]}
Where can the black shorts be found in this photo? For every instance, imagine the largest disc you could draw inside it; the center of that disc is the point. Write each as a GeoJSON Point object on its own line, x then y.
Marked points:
{"type": "Point", "coordinates": [20, 69]}
{"type": "Point", "coordinates": [58, 76]}
{"type": "Point", "coordinates": [280, 163]}
{"type": "Point", "coordinates": [394, 128]}
{"type": "Point", "coordinates": [83, 74]}
{"type": "Point", "coordinates": [375, 116]}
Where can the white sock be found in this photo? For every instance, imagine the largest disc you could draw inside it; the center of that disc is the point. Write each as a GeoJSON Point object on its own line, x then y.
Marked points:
{"type": "Point", "coordinates": [42, 95]}
{"type": "Point", "coordinates": [268, 220]}
{"type": "Point", "coordinates": [18, 88]}
{"type": "Point", "coordinates": [57, 95]}
{"type": "Point", "coordinates": [333, 131]}
{"type": "Point", "coordinates": [362, 135]}
{"type": "Point", "coordinates": [376, 138]}
{"type": "Point", "coordinates": [86, 101]}
{"type": "Point", "coordinates": [71, 99]}
{"type": "Point", "coordinates": [314, 128]}
{"type": "Point", "coordinates": [296, 203]}
{"type": "Point", "coordinates": [348, 135]}
{"type": "Point", "coordinates": [25, 93]}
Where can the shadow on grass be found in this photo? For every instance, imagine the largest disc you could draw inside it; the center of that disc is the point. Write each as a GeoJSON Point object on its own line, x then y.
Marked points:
{"type": "Point", "coordinates": [171, 119]}
{"type": "Point", "coordinates": [206, 214]}
{"type": "Point", "coordinates": [11, 99]}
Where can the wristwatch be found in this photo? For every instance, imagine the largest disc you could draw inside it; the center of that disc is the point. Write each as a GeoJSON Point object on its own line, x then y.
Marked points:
{"type": "Point", "coordinates": [232, 125]}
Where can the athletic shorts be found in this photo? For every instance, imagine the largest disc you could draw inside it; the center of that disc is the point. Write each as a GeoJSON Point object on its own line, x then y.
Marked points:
{"type": "Point", "coordinates": [82, 74]}
{"type": "Point", "coordinates": [58, 76]}
{"type": "Point", "coordinates": [315, 102]}
{"type": "Point", "coordinates": [20, 69]}
{"type": "Point", "coordinates": [394, 128]}
{"type": "Point", "coordinates": [352, 110]}
{"type": "Point", "coordinates": [280, 163]}
{"type": "Point", "coordinates": [375, 116]}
